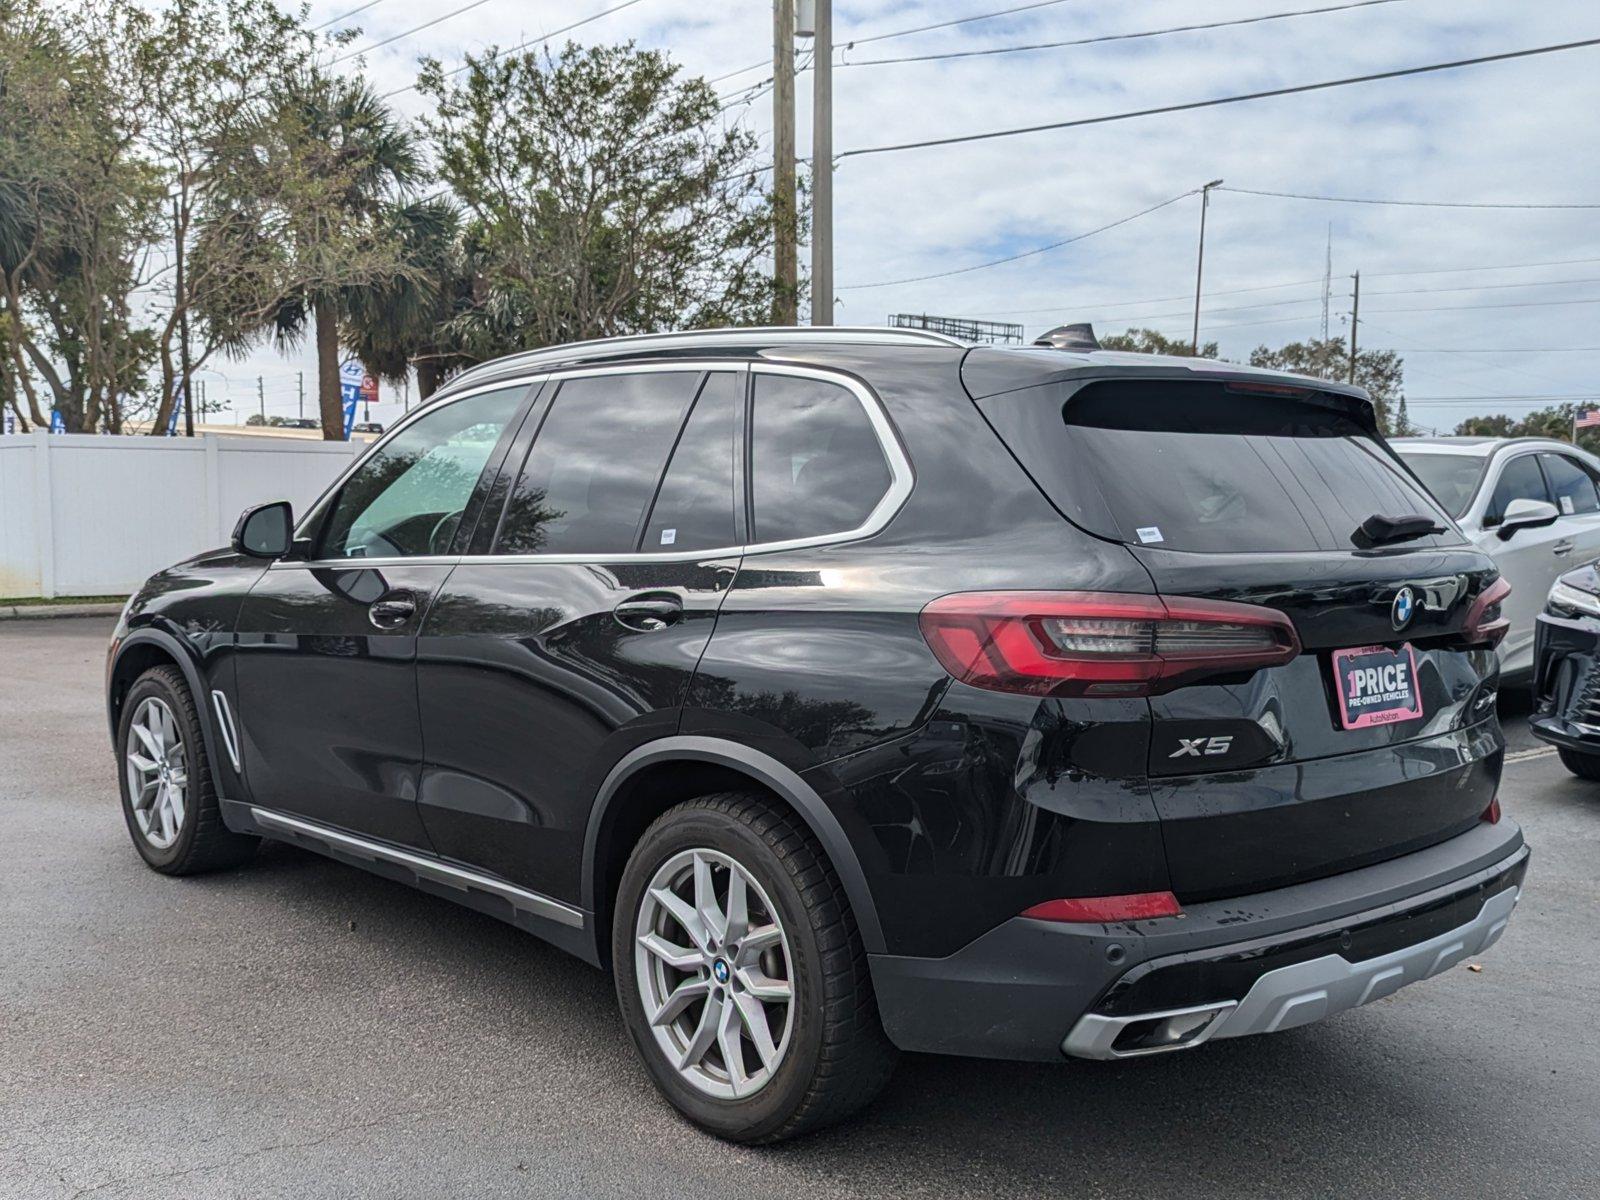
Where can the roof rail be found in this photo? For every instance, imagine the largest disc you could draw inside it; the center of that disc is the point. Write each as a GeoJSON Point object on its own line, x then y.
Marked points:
{"type": "Point", "coordinates": [744, 336]}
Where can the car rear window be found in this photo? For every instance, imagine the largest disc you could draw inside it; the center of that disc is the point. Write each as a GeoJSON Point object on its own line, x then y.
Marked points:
{"type": "Point", "coordinates": [1200, 467]}
{"type": "Point", "coordinates": [1452, 478]}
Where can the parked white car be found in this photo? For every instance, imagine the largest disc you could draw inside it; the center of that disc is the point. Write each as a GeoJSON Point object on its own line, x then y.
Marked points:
{"type": "Point", "coordinates": [1533, 505]}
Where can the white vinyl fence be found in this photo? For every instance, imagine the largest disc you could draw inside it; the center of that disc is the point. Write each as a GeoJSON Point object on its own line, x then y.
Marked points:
{"type": "Point", "coordinates": [91, 515]}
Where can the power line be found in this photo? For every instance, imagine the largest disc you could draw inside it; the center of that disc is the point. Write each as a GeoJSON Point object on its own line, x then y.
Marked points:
{"type": "Point", "coordinates": [1481, 287]}
{"type": "Point", "coordinates": [851, 287]}
{"type": "Point", "coordinates": [1217, 101]}
{"type": "Point", "coordinates": [898, 33]}
{"type": "Point", "coordinates": [538, 41]}
{"type": "Point", "coordinates": [1556, 262]}
{"type": "Point", "coordinates": [353, 12]}
{"type": "Point", "coordinates": [1419, 203]}
{"type": "Point", "coordinates": [439, 20]}
{"type": "Point", "coordinates": [1112, 37]}
{"type": "Point", "coordinates": [1004, 12]}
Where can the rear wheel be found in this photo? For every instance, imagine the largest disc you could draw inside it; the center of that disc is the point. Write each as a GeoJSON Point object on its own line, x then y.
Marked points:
{"type": "Point", "coordinates": [1585, 766]}
{"type": "Point", "coordinates": [168, 798]}
{"type": "Point", "coordinates": [741, 974]}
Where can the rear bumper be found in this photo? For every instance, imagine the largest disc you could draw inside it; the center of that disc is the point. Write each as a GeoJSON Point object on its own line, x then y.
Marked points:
{"type": "Point", "coordinates": [1035, 990]}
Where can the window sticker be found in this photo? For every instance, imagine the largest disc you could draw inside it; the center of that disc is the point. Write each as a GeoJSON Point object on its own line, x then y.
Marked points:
{"type": "Point", "coordinates": [668, 536]}
{"type": "Point", "coordinates": [1150, 533]}
{"type": "Point", "coordinates": [1566, 504]}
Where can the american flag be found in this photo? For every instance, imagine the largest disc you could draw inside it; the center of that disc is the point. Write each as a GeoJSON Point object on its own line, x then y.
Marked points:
{"type": "Point", "coordinates": [1587, 418]}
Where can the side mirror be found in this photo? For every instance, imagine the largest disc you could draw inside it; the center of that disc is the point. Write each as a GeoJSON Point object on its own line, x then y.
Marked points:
{"type": "Point", "coordinates": [267, 530]}
{"type": "Point", "coordinates": [1527, 514]}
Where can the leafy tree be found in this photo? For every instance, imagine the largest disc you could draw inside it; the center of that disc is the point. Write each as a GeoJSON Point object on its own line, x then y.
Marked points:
{"type": "Point", "coordinates": [1553, 422]}
{"type": "Point", "coordinates": [601, 198]}
{"type": "Point", "coordinates": [1381, 372]}
{"type": "Point", "coordinates": [302, 218]}
{"type": "Point", "coordinates": [200, 66]}
{"type": "Point", "coordinates": [1150, 341]}
{"type": "Point", "coordinates": [76, 207]}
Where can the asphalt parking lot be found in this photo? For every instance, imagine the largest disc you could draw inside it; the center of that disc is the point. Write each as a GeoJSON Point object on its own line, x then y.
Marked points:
{"type": "Point", "coordinates": [300, 1028]}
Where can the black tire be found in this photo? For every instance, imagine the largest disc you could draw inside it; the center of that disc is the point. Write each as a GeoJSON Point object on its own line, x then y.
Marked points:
{"type": "Point", "coordinates": [1584, 766]}
{"type": "Point", "coordinates": [838, 1057]}
{"type": "Point", "coordinates": [203, 842]}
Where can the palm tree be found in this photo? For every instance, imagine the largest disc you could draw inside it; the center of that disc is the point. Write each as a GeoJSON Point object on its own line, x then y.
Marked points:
{"type": "Point", "coordinates": [405, 323]}
{"type": "Point", "coordinates": [306, 214]}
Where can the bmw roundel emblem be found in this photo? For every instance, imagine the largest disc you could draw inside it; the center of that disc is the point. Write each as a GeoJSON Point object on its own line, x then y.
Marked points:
{"type": "Point", "coordinates": [1404, 608]}
{"type": "Point", "coordinates": [720, 970]}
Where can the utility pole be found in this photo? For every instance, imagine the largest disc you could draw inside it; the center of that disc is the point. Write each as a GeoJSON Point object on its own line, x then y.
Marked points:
{"type": "Point", "coordinates": [1200, 261]}
{"type": "Point", "coordinates": [1355, 323]}
{"type": "Point", "coordinates": [822, 167]}
{"type": "Point", "coordinates": [1327, 282]}
{"type": "Point", "coordinates": [261, 398]}
{"type": "Point", "coordinates": [301, 377]}
{"type": "Point", "coordinates": [785, 251]}
{"type": "Point", "coordinates": [182, 299]}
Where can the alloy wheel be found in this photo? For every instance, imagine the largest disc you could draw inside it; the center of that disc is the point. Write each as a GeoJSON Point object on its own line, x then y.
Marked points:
{"type": "Point", "coordinates": [158, 774]}
{"type": "Point", "coordinates": [714, 972]}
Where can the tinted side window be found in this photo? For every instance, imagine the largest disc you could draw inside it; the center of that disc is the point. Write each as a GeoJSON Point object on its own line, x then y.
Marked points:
{"type": "Point", "coordinates": [1521, 479]}
{"type": "Point", "coordinates": [595, 464]}
{"type": "Point", "coordinates": [816, 465]}
{"type": "Point", "coordinates": [408, 497]}
{"type": "Point", "coordinates": [1571, 486]}
{"type": "Point", "coordinates": [695, 507]}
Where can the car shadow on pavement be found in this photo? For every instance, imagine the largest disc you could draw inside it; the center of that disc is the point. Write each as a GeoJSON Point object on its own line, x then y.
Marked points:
{"type": "Point", "coordinates": [1292, 1113]}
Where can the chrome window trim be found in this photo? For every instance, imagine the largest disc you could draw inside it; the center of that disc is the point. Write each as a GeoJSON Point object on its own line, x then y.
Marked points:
{"type": "Point", "coordinates": [902, 476]}
{"type": "Point", "coordinates": [424, 867]}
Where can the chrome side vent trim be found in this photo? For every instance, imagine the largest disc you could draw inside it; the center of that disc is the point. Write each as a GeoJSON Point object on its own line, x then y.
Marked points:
{"type": "Point", "coordinates": [230, 733]}
{"type": "Point", "coordinates": [434, 870]}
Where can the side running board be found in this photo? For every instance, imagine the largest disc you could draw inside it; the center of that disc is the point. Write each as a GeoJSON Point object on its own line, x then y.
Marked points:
{"type": "Point", "coordinates": [320, 837]}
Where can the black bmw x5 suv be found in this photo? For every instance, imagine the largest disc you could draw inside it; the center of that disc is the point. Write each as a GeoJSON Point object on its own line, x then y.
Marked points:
{"type": "Point", "coordinates": [850, 690]}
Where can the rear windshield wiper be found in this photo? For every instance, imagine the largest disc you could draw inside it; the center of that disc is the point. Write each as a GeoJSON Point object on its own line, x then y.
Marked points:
{"type": "Point", "coordinates": [1381, 530]}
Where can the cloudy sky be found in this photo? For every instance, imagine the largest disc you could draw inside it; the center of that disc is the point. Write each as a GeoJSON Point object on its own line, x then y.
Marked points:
{"type": "Point", "coordinates": [1499, 303]}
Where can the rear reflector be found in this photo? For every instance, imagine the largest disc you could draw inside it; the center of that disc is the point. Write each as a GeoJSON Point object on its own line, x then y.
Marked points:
{"type": "Point", "coordinates": [1486, 621]}
{"type": "Point", "coordinates": [1099, 643]}
{"type": "Point", "coordinates": [1140, 906]}
{"type": "Point", "coordinates": [1492, 813]}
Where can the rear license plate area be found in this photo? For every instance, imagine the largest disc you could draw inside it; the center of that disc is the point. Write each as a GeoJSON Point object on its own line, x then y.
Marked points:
{"type": "Point", "coordinates": [1376, 685]}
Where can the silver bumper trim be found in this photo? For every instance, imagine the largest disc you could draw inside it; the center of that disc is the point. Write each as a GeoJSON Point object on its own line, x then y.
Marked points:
{"type": "Point", "coordinates": [1308, 991]}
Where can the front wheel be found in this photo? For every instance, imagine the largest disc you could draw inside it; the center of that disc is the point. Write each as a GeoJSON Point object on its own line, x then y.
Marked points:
{"type": "Point", "coordinates": [741, 974]}
{"type": "Point", "coordinates": [168, 798]}
{"type": "Point", "coordinates": [1585, 766]}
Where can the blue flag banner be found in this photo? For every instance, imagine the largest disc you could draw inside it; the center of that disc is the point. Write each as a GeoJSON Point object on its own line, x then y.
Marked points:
{"type": "Point", "coordinates": [351, 375]}
{"type": "Point", "coordinates": [57, 425]}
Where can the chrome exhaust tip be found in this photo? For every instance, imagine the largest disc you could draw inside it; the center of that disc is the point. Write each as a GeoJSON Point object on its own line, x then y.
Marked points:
{"type": "Point", "coordinates": [1097, 1036]}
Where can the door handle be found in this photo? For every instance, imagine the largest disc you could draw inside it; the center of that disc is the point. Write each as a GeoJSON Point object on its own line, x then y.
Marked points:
{"type": "Point", "coordinates": [647, 613]}
{"type": "Point", "coordinates": [392, 612]}
{"type": "Point", "coordinates": [1564, 546]}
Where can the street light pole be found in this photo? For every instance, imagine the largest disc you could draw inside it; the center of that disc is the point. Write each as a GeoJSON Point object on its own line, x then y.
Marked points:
{"type": "Point", "coordinates": [785, 251]}
{"type": "Point", "coordinates": [822, 167]}
{"type": "Point", "coordinates": [1200, 261]}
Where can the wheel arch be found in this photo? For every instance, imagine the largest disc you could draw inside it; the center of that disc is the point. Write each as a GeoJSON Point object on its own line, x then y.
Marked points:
{"type": "Point", "coordinates": [654, 777]}
{"type": "Point", "coordinates": [139, 652]}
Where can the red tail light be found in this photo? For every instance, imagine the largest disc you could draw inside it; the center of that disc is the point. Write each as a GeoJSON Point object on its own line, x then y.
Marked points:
{"type": "Point", "coordinates": [1140, 906]}
{"type": "Point", "coordinates": [1486, 619]}
{"type": "Point", "coordinates": [1099, 643]}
